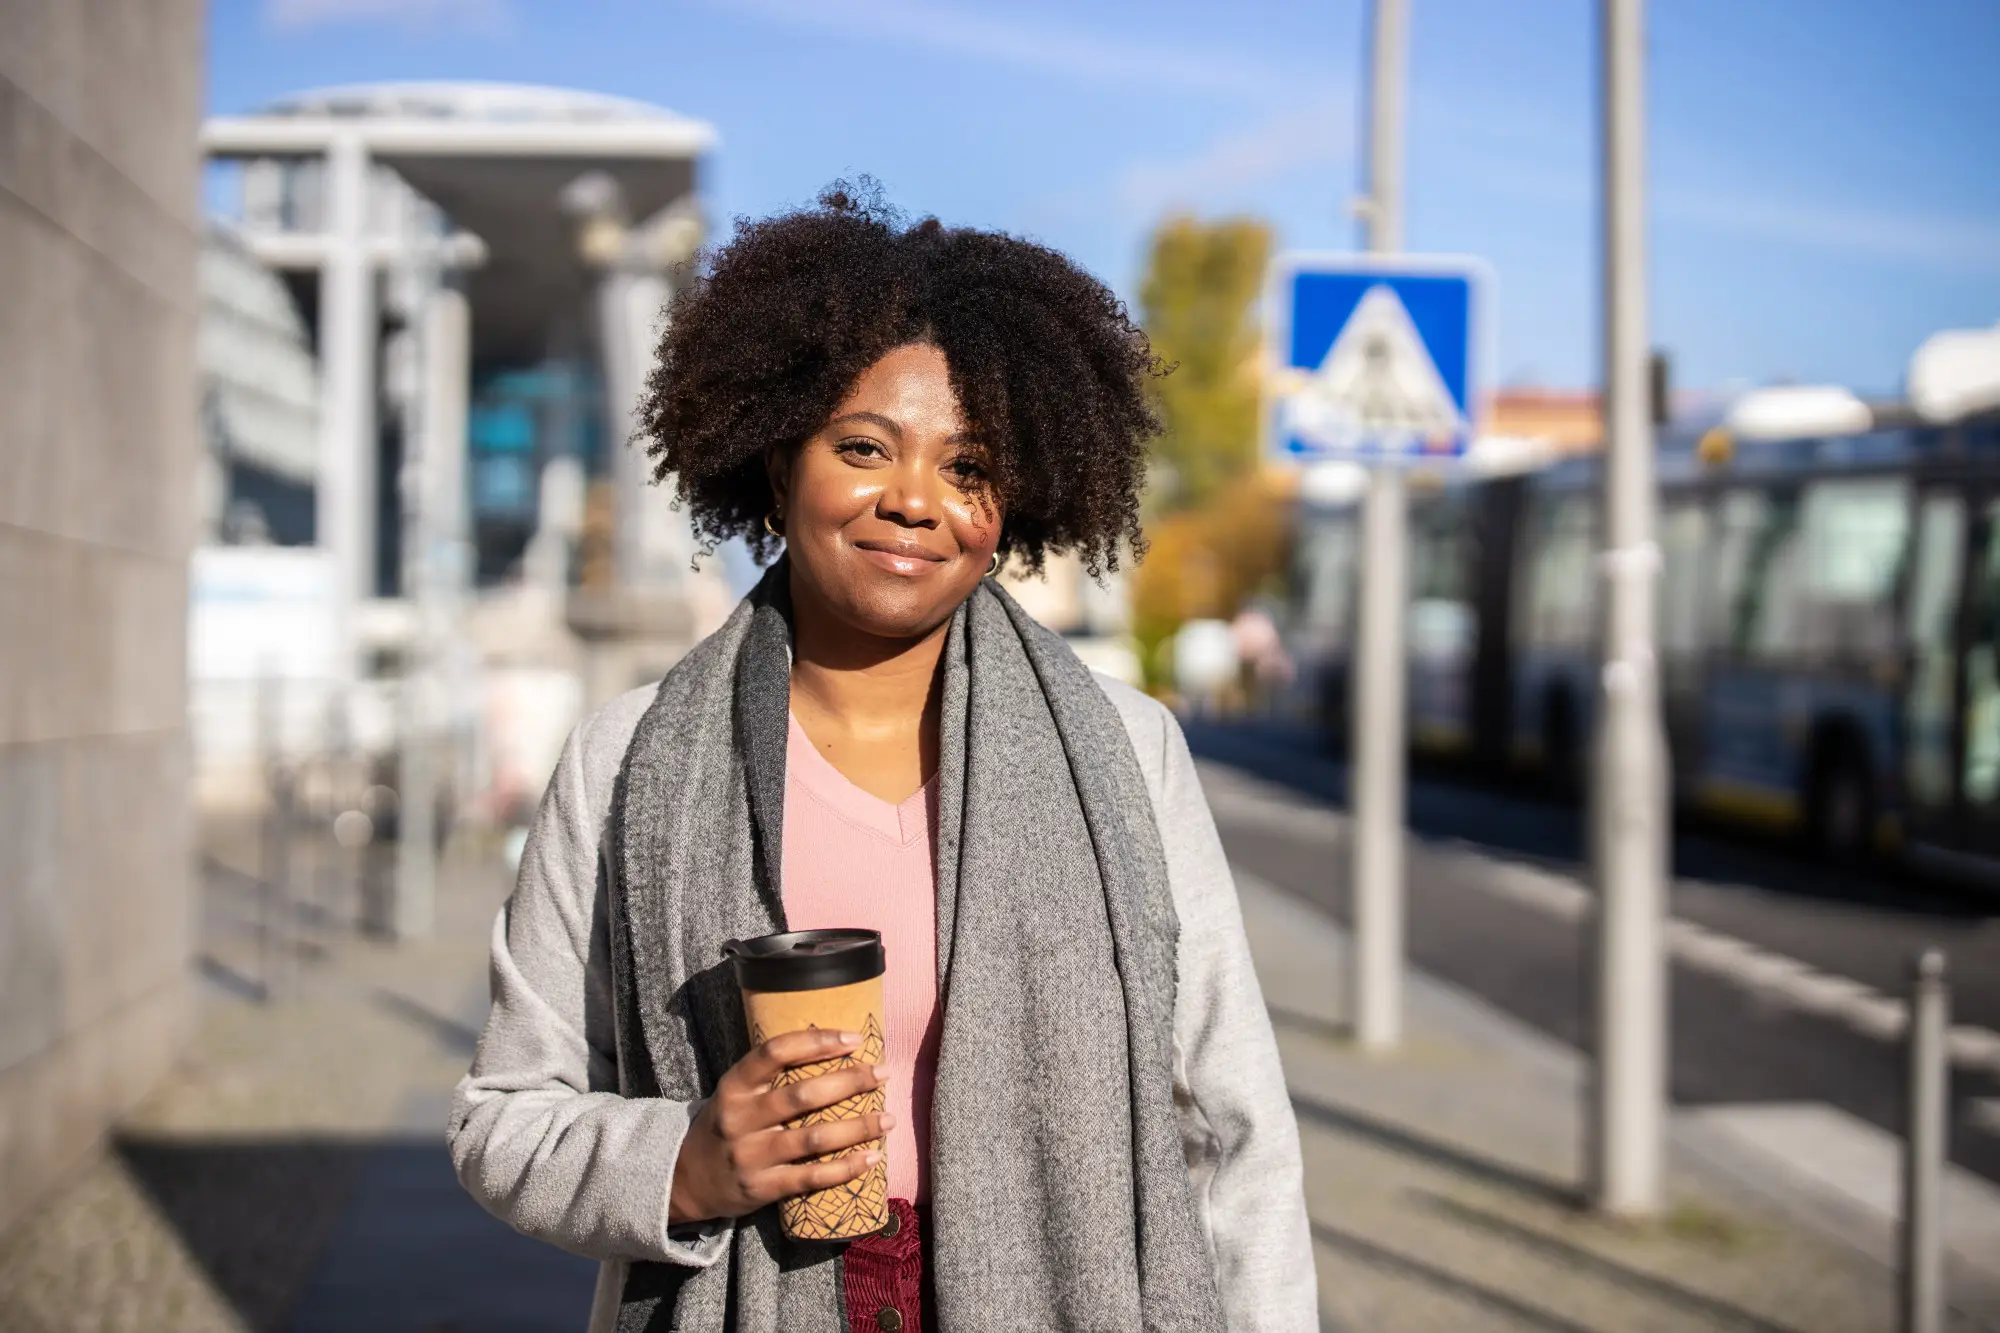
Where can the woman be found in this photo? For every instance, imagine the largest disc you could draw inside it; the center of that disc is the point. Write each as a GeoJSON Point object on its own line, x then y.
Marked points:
{"type": "Point", "coordinates": [1086, 1124]}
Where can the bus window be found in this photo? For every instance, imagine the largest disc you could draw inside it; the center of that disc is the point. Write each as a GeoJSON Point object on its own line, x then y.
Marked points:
{"type": "Point", "coordinates": [1855, 535]}
{"type": "Point", "coordinates": [1326, 576]}
{"type": "Point", "coordinates": [1930, 620]}
{"type": "Point", "coordinates": [1753, 570]}
{"type": "Point", "coordinates": [1559, 605]}
{"type": "Point", "coordinates": [1683, 537]}
{"type": "Point", "coordinates": [1441, 621]}
{"type": "Point", "coordinates": [1982, 681]}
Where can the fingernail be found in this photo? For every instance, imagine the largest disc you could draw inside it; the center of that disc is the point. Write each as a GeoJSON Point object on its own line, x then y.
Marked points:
{"type": "Point", "coordinates": [871, 1157]}
{"type": "Point", "coordinates": [888, 1120]}
{"type": "Point", "coordinates": [881, 1073]}
{"type": "Point", "coordinates": [850, 1039]}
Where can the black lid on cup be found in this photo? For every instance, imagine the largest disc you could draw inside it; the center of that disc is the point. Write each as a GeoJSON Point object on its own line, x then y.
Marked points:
{"type": "Point", "coordinates": [806, 959]}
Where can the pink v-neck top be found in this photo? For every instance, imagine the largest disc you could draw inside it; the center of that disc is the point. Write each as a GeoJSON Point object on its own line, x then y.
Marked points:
{"type": "Point", "coordinates": [854, 860]}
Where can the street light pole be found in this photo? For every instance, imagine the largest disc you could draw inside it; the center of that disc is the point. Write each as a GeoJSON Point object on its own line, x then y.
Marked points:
{"type": "Point", "coordinates": [1628, 825]}
{"type": "Point", "coordinates": [1376, 714]}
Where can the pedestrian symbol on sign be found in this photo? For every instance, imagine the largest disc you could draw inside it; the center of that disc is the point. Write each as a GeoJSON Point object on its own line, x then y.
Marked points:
{"type": "Point", "coordinates": [1375, 357]}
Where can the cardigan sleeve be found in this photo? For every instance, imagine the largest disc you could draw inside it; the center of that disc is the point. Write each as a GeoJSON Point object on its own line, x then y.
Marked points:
{"type": "Point", "coordinates": [1238, 1129]}
{"type": "Point", "coordinates": [539, 1133]}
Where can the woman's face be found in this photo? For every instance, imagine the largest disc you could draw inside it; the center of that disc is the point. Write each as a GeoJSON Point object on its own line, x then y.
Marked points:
{"type": "Point", "coordinates": [877, 517]}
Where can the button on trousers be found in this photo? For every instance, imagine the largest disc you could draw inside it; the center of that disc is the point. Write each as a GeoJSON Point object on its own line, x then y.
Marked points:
{"type": "Point", "coordinates": [888, 1281]}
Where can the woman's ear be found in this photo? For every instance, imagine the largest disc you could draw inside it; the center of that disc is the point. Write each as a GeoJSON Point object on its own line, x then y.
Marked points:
{"type": "Point", "coordinates": [778, 471]}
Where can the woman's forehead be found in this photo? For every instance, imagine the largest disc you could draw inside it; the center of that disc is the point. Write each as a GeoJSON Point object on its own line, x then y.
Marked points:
{"type": "Point", "coordinates": [907, 391]}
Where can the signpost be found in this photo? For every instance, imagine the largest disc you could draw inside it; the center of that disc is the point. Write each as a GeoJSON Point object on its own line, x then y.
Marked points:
{"type": "Point", "coordinates": [1378, 360]}
{"type": "Point", "coordinates": [1378, 356]}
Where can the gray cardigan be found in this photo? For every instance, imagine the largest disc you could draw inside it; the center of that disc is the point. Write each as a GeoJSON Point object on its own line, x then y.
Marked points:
{"type": "Point", "coordinates": [540, 1136]}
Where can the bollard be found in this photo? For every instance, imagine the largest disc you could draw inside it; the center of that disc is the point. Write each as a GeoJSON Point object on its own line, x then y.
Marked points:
{"type": "Point", "coordinates": [1924, 1147]}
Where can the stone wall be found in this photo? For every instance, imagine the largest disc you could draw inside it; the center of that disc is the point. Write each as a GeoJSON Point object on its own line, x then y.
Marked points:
{"type": "Point", "coordinates": [100, 102]}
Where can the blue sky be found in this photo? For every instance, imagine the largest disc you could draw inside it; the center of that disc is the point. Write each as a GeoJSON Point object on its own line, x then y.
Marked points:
{"type": "Point", "coordinates": [1825, 189]}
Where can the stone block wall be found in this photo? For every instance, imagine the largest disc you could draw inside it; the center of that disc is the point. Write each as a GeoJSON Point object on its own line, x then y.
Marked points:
{"type": "Point", "coordinates": [100, 103]}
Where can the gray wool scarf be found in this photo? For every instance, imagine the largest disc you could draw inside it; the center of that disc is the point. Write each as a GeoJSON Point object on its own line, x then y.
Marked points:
{"type": "Point", "coordinates": [1060, 1199]}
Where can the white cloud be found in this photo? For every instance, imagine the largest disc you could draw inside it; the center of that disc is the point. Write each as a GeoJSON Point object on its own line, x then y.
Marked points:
{"type": "Point", "coordinates": [1529, 154]}
{"type": "Point", "coordinates": [1937, 241]}
{"type": "Point", "coordinates": [1223, 174]}
{"type": "Point", "coordinates": [1316, 136]}
{"type": "Point", "coordinates": [1022, 44]}
{"type": "Point", "coordinates": [477, 16]}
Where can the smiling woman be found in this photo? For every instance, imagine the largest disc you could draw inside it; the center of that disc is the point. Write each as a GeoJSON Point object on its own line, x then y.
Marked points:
{"type": "Point", "coordinates": [1049, 375]}
{"type": "Point", "coordinates": [1072, 1115]}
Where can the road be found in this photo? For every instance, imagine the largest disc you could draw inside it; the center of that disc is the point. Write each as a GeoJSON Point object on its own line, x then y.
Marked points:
{"type": "Point", "coordinates": [1732, 1042]}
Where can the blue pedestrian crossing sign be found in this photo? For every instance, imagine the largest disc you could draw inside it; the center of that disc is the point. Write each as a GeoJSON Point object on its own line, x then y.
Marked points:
{"type": "Point", "coordinates": [1375, 358]}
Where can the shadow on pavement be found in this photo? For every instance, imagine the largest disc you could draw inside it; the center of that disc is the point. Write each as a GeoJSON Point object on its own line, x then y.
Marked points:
{"type": "Point", "coordinates": [1309, 1025]}
{"type": "Point", "coordinates": [1719, 1314]}
{"type": "Point", "coordinates": [452, 1035]}
{"type": "Point", "coordinates": [362, 1236]}
{"type": "Point", "coordinates": [1395, 1138]}
{"type": "Point", "coordinates": [254, 1214]}
{"type": "Point", "coordinates": [1368, 1252]}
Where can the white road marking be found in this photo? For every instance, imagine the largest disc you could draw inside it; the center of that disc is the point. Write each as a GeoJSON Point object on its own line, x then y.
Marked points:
{"type": "Point", "coordinates": [1829, 1150]}
{"type": "Point", "coordinates": [1784, 979]}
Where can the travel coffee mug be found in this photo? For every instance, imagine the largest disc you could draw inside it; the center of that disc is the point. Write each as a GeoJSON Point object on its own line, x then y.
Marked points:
{"type": "Point", "coordinates": [830, 980]}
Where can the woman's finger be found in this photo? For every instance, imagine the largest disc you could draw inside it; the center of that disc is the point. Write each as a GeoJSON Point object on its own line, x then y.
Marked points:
{"type": "Point", "coordinates": [786, 1147]}
{"type": "Point", "coordinates": [788, 1182]}
{"type": "Point", "coordinates": [793, 1100]}
{"type": "Point", "coordinates": [764, 1063]}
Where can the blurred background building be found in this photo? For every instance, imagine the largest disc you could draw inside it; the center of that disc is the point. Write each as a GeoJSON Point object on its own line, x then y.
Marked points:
{"type": "Point", "coordinates": [99, 236]}
{"type": "Point", "coordinates": [474, 275]}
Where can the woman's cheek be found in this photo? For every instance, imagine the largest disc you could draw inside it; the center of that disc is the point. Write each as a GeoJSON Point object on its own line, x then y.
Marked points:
{"type": "Point", "coordinates": [978, 527]}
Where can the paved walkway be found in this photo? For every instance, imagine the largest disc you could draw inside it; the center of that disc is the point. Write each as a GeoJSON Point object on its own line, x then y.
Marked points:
{"type": "Point", "coordinates": [1445, 1181]}
{"type": "Point", "coordinates": [292, 1178]}
{"type": "Point", "coordinates": [292, 1175]}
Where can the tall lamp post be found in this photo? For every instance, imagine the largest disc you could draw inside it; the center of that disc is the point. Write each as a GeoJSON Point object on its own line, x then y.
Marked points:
{"type": "Point", "coordinates": [1628, 814]}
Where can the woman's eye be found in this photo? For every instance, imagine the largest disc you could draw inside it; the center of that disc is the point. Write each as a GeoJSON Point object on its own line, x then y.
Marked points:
{"type": "Point", "coordinates": [859, 447]}
{"type": "Point", "coordinates": [966, 469]}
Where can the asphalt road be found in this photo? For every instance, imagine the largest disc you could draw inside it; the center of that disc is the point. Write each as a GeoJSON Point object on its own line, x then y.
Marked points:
{"type": "Point", "coordinates": [1729, 1043]}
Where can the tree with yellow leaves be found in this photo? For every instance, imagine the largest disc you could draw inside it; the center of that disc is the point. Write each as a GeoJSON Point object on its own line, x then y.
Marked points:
{"type": "Point", "coordinates": [1220, 528]}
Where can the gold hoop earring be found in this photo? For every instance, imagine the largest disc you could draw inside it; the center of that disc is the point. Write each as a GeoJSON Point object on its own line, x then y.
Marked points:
{"type": "Point", "coordinates": [994, 568]}
{"type": "Point", "coordinates": [772, 528]}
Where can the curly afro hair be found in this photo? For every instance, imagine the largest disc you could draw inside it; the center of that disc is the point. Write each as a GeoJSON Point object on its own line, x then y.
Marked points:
{"type": "Point", "coordinates": [1053, 377]}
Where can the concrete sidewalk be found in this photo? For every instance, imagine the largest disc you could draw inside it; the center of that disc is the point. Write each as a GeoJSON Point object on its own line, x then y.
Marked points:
{"type": "Point", "coordinates": [292, 1174]}
{"type": "Point", "coordinates": [1444, 1188]}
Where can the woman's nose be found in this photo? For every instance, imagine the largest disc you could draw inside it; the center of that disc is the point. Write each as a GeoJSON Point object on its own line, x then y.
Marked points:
{"type": "Point", "coordinates": [908, 500]}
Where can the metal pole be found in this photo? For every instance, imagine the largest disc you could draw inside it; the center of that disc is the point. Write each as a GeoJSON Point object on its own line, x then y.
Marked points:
{"type": "Point", "coordinates": [1628, 796]}
{"type": "Point", "coordinates": [1376, 1002]}
{"type": "Point", "coordinates": [1924, 1147]}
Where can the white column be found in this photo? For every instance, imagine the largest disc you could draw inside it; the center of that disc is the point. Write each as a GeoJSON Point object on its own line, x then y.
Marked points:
{"type": "Point", "coordinates": [345, 496]}
{"type": "Point", "coordinates": [447, 395]}
{"type": "Point", "coordinates": [654, 544]}
{"type": "Point", "coordinates": [1629, 815]}
{"type": "Point", "coordinates": [433, 564]}
{"type": "Point", "coordinates": [1376, 774]}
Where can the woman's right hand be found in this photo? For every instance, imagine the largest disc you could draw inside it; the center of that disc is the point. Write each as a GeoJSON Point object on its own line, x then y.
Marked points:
{"type": "Point", "coordinates": [738, 1155]}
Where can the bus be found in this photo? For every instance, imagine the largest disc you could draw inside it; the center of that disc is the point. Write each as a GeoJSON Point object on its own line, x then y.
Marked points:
{"type": "Point", "coordinates": [1828, 630]}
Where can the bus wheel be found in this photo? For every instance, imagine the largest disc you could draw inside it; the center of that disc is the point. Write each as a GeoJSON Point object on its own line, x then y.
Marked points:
{"type": "Point", "coordinates": [1840, 804]}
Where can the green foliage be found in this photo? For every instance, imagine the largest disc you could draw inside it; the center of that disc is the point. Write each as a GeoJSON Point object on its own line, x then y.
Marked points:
{"type": "Point", "coordinates": [1199, 305]}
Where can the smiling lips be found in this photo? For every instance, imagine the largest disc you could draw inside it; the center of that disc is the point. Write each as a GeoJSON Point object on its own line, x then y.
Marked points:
{"type": "Point", "coordinates": [905, 558]}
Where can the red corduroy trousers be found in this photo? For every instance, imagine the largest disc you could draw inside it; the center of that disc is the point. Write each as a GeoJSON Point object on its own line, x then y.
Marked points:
{"type": "Point", "coordinates": [888, 1280]}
